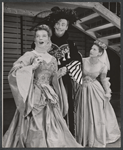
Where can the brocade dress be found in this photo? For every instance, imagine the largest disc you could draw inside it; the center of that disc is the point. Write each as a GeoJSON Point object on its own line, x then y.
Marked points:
{"type": "Point", "coordinates": [41, 104]}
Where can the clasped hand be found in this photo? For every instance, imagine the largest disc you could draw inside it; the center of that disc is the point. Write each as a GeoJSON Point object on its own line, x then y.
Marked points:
{"type": "Point", "coordinates": [62, 71]}
{"type": "Point", "coordinates": [37, 62]}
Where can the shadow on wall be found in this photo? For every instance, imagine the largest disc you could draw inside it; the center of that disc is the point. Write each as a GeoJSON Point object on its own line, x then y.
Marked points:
{"type": "Point", "coordinates": [114, 72]}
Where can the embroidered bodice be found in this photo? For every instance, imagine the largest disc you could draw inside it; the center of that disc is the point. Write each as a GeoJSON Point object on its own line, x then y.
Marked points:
{"type": "Point", "coordinates": [44, 73]}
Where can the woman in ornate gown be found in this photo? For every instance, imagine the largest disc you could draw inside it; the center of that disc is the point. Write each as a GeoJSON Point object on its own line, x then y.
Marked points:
{"type": "Point", "coordinates": [96, 123]}
{"type": "Point", "coordinates": [40, 99]}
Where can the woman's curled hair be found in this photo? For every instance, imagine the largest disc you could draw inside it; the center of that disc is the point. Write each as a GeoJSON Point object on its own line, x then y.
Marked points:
{"type": "Point", "coordinates": [44, 27]}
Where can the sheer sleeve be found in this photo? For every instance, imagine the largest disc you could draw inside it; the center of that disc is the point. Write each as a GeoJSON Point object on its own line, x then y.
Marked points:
{"type": "Point", "coordinates": [105, 81]}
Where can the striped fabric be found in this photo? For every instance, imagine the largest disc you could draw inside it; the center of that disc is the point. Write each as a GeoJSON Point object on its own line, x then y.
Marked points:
{"type": "Point", "coordinates": [75, 71]}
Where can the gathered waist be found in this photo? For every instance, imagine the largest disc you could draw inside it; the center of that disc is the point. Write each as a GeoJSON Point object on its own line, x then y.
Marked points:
{"type": "Point", "coordinates": [88, 79]}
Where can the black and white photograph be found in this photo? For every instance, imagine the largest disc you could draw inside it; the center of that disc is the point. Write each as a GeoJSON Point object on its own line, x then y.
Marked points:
{"type": "Point", "coordinates": [61, 76]}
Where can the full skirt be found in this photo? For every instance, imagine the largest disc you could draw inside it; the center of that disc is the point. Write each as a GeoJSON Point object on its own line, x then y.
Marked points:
{"type": "Point", "coordinates": [44, 126]}
{"type": "Point", "coordinates": [95, 120]}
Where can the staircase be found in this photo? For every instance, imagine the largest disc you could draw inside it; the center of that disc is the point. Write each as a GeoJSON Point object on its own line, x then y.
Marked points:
{"type": "Point", "coordinates": [100, 20]}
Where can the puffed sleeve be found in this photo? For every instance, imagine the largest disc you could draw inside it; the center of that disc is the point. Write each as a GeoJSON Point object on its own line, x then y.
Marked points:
{"type": "Point", "coordinates": [105, 81]}
{"type": "Point", "coordinates": [75, 71]}
{"type": "Point", "coordinates": [60, 90]}
{"type": "Point", "coordinates": [75, 65]}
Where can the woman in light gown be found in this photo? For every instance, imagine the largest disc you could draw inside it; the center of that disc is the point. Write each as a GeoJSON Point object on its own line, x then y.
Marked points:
{"type": "Point", "coordinates": [96, 123]}
{"type": "Point", "coordinates": [40, 99]}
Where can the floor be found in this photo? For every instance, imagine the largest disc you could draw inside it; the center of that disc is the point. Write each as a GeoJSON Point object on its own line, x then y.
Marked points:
{"type": "Point", "coordinates": [9, 109]}
{"type": "Point", "coordinates": [115, 101]}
